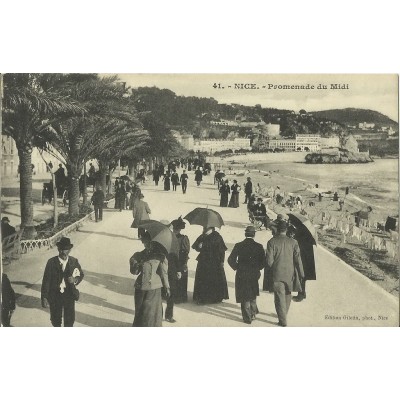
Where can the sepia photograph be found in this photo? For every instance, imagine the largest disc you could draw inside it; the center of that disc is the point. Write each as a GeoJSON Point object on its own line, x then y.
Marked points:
{"type": "Point", "coordinates": [199, 200]}
{"type": "Point", "coordinates": [221, 168]}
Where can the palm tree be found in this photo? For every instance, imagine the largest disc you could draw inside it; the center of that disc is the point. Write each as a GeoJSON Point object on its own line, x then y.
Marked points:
{"type": "Point", "coordinates": [83, 137]}
{"type": "Point", "coordinates": [30, 105]}
{"type": "Point", "coordinates": [128, 145]}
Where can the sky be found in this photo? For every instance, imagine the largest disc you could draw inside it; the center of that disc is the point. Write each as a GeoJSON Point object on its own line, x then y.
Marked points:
{"type": "Point", "coordinates": [377, 92]}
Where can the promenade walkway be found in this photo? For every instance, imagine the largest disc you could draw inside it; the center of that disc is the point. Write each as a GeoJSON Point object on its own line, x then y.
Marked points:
{"type": "Point", "coordinates": [339, 297]}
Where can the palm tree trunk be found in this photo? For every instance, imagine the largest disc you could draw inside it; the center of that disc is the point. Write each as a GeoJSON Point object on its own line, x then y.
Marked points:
{"type": "Point", "coordinates": [73, 190]}
{"type": "Point", "coordinates": [84, 184]}
{"type": "Point", "coordinates": [55, 207]}
{"type": "Point", "coordinates": [103, 169]}
{"type": "Point", "coordinates": [26, 200]}
{"type": "Point", "coordinates": [132, 169]}
{"type": "Point", "coordinates": [151, 165]}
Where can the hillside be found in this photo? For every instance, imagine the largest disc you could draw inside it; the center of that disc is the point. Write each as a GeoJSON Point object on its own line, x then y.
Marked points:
{"type": "Point", "coordinates": [353, 116]}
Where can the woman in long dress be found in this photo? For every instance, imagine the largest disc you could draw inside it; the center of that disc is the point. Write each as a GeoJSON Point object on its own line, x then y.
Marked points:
{"type": "Point", "coordinates": [167, 181]}
{"type": "Point", "coordinates": [224, 191]}
{"type": "Point", "coordinates": [210, 285]}
{"type": "Point", "coordinates": [234, 201]}
{"type": "Point", "coordinates": [184, 248]}
{"type": "Point", "coordinates": [306, 246]}
{"type": "Point", "coordinates": [198, 176]}
{"type": "Point", "coordinates": [152, 269]}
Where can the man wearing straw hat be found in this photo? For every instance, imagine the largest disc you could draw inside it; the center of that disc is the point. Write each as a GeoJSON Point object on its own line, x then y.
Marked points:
{"type": "Point", "coordinates": [61, 275]}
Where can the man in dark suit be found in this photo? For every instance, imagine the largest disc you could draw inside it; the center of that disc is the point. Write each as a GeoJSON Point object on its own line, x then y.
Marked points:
{"type": "Point", "coordinates": [61, 275]}
{"type": "Point", "coordinates": [248, 190]}
{"type": "Point", "coordinates": [98, 203]}
{"type": "Point", "coordinates": [6, 228]}
{"type": "Point", "coordinates": [184, 180]}
{"type": "Point", "coordinates": [247, 259]}
{"type": "Point", "coordinates": [284, 270]}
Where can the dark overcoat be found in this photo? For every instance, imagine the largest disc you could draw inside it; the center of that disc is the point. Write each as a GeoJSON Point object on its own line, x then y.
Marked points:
{"type": "Point", "coordinates": [210, 285]}
{"type": "Point", "coordinates": [53, 276]}
{"type": "Point", "coordinates": [307, 254]}
{"type": "Point", "coordinates": [224, 191]}
{"type": "Point", "coordinates": [247, 259]}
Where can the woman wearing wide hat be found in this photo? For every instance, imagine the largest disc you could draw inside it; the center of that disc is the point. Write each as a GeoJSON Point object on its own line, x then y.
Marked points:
{"type": "Point", "coordinates": [151, 267]}
{"type": "Point", "coordinates": [61, 276]}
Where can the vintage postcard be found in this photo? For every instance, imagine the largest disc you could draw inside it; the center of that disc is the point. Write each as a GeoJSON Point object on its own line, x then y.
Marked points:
{"type": "Point", "coordinates": [200, 200]}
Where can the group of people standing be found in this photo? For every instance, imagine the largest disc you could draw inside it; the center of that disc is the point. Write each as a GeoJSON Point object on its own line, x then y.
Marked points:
{"type": "Point", "coordinates": [171, 176]}
{"type": "Point", "coordinates": [225, 189]}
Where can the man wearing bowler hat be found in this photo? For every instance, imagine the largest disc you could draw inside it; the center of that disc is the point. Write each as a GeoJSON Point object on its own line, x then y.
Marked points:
{"type": "Point", "coordinates": [247, 259]}
{"type": "Point", "coordinates": [61, 276]}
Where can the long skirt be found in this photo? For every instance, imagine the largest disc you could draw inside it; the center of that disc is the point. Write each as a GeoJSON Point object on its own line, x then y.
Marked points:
{"type": "Point", "coordinates": [167, 185]}
{"type": "Point", "coordinates": [181, 295]}
{"type": "Point", "coordinates": [224, 200]}
{"type": "Point", "coordinates": [148, 308]}
{"type": "Point", "coordinates": [210, 285]}
{"type": "Point", "coordinates": [234, 201]}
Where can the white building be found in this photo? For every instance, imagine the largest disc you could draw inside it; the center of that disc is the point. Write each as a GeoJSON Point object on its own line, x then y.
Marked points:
{"type": "Point", "coordinates": [364, 126]}
{"type": "Point", "coordinates": [308, 142]}
{"type": "Point", "coordinates": [213, 145]}
{"type": "Point", "coordinates": [327, 142]}
{"type": "Point", "coordinates": [10, 159]}
{"type": "Point", "coordinates": [224, 122]}
{"type": "Point", "coordinates": [187, 142]}
{"type": "Point", "coordinates": [287, 144]}
{"type": "Point", "coordinates": [9, 156]}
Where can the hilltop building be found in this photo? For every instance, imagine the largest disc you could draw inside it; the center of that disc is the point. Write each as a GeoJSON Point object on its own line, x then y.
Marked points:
{"type": "Point", "coordinates": [237, 123]}
{"type": "Point", "coordinates": [365, 126]}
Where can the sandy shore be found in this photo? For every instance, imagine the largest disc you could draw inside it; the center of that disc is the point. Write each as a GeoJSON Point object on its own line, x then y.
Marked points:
{"type": "Point", "coordinates": [376, 265]}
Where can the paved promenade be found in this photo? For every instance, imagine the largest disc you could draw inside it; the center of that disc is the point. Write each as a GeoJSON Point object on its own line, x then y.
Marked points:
{"type": "Point", "coordinates": [339, 297]}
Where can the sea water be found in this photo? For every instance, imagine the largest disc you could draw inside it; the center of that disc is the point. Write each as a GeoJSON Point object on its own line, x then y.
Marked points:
{"type": "Point", "coordinates": [375, 184]}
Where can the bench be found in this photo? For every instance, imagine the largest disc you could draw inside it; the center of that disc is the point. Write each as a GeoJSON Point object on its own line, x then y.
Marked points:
{"type": "Point", "coordinates": [11, 246]}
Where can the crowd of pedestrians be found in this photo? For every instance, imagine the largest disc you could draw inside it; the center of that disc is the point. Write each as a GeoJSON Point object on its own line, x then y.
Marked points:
{"type": "Point", "coordinates": [163, 276]}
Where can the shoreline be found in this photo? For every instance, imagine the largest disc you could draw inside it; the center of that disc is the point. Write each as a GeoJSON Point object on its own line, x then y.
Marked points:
{"type": "Point", "coordinates": [376, 265]}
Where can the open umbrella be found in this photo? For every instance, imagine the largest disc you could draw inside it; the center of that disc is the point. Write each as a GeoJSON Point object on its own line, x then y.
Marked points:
{"type": "Point", "coordinates": [205, 217]}
{"type": "Point", "coordinates": [161, 234]}
{"type": "Point", "coordinates": [301, 222]}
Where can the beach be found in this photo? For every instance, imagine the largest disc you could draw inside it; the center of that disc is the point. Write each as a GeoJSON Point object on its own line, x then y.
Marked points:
{"type": "Point", "coordinates": [374, 184]}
